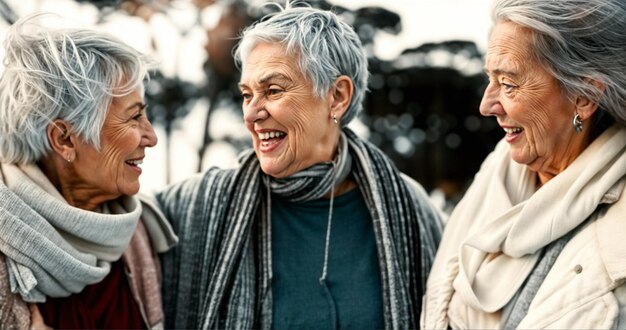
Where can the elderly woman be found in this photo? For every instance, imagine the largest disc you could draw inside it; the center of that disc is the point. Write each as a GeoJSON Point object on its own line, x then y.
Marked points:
{"type": "Point", "coordinates": [538, 240]}
{"type": "Point", "coordinates": [73, 132]}
{"type": "Point", "coordinates": [316, 228]}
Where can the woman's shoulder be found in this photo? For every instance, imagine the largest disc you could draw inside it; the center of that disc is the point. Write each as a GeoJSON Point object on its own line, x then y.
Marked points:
{"type": "Point", "coordinates": [611, 231]}
{"type": "Point", "coordinates": [192, 186]}
{"type": "Point", "coordinates": [420, 194]}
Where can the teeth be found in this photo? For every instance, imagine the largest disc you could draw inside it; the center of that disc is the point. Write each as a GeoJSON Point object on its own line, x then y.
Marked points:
{"type": "Point", "coordinates": [135, 162]}
{"type": "Point", "coordinates": [513, 130]}
{"type": "Point", "coordinates": [270, 135]}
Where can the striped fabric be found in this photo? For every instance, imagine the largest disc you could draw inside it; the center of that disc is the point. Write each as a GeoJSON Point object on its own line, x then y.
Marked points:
{"type": "Point", "coordinates": [220, 273]}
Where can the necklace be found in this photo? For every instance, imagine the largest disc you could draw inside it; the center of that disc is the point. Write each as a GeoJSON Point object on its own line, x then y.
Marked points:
{"type": "Point", "coordinates": [322, 279]}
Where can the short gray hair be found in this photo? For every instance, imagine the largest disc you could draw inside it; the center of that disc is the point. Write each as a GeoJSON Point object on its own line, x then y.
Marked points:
{"type": "Point", "coordinates": [69, 74]}
{"type": "Point", "coordinates": [577, 40]}
{"type": "Point", "coordinates": [326, 46]}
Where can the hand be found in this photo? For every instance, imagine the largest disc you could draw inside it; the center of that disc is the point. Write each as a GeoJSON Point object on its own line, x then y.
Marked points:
{"type": "Point", "coordinates": [36, 320]}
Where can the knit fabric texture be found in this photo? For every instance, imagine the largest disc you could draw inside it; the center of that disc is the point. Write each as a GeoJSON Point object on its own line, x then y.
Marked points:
{"type": "Point", "coordinates": [219, 275]}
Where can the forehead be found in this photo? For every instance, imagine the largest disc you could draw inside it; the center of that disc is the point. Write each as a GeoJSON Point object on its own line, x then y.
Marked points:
{"type": "Point", "coordinates": [124, 104]}
{"type": "Point", "coordinates": [269, 60]}
{"type": "Point", "coordinates": [509, 47]}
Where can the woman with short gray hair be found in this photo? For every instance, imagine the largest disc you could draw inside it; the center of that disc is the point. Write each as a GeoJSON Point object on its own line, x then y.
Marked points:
{"type": "Point", "coordinates": [316, 228]}
{"type": "Point", "coordinates": [537, 241]}
{"type": "Point", "coordinates": [76, 247]}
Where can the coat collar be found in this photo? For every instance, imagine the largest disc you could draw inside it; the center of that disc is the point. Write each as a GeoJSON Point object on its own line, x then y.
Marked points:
{"type": "Point", "coordinates": [611, 232]}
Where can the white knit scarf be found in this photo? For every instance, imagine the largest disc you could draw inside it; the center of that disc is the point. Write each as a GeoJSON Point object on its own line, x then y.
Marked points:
{"type": "Point", "coordinates": [54, 249]}
{"type": "Point", "coordinates": [512, 222]}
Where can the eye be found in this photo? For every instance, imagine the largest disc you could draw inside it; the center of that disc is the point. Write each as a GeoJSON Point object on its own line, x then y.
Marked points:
{"type": "Point", "coordinates": [273, 90]}
{"type": "Point", "coordinates": [246, 95]}
{"type": "Point", "coordinates": [508, 87]}
{"type": "Point", "coordinates": [141, 113]}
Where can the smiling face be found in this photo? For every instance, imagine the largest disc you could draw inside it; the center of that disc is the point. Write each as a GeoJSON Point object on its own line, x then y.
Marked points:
{"type": "Point", "coordinates": [529, 104]}
{"type": "Point", "coordinates": [291, 128]}
{"type": "Point", "coordinates": [113, 171]}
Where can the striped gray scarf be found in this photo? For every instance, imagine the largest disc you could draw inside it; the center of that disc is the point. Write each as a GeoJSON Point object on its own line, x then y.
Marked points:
{"type": "Point", "coordinates": [219, 275]}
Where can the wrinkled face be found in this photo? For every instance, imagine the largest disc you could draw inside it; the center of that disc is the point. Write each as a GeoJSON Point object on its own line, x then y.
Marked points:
{"type": "Point", "coordinates": [528, 103]}
{"type": "Point", "coordinates": [291, 128]}
{"type": "Point", "coordinates": [114, 170]}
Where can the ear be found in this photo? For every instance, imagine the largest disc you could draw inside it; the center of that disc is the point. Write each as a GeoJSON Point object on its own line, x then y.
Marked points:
{"type": "Point", "coordinates": [60, 138]}
{"type": "Point", "coordinates": [341, 95]}
{"type": "Point", "coordinates": [586, 107]}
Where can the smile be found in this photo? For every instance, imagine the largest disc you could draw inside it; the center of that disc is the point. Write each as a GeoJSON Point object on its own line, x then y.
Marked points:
{"type": "Point", "coordinates": [135, 162]}
{"type": "Point", "coordinates": [270, 140]}
{"type": "Point", "coordinates": [513, 130]}
{"type": "Point", "coordinates": [513, 134]}
{"type": "Point", "coordinates": [270, 135]}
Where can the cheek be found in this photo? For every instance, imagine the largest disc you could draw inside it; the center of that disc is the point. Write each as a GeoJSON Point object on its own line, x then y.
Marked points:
{"type": "Point", "coordinates": [111, 161]}
{"type": "Point", "coordinates": [547, 114]}
{"type": "Point", "coordinates": [117, 148]}
{"type": "Point", "coordinates": [308, 115]}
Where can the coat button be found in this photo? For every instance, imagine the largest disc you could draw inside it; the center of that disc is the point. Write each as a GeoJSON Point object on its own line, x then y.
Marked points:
{"type": "Point", "coordinates": [578, 269]}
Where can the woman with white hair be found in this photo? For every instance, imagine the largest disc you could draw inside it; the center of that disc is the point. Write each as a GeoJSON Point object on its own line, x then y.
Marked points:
{"type": "Point", "coordinates": [316, 228]}
{"type": "Point", "coordinates": [73, 132]}
{"type": "Point", "coordinates": [538, 240]}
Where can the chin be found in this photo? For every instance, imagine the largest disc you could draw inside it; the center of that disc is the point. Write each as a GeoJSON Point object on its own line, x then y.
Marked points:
{"type": "Point", "coordinates": [521, 159]}
{"type": "Point", "coordinates": [273, 171]}
{"type": "Point", "coordinates": [130, 191]}
{"type": "Point", "coordinates": [269, 172]}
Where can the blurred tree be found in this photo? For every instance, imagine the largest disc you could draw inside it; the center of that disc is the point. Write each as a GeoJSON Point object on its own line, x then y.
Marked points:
{"type": "Point", "coordinates": [426, 117]}
{"type": "Point", "coordinates": [422, 109]}
{"type": "Point", "coordinates": [222, 74]}
{"type": "Point", "coordinates": [7, 13]}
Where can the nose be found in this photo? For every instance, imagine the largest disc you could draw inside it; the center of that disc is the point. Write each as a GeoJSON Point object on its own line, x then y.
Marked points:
{"type": "Point", "coordinates": [490, 104]}
{"type": "Point", "coordinates": [254, 110]}
{"type": "Point", "coordinates": [148, 136]}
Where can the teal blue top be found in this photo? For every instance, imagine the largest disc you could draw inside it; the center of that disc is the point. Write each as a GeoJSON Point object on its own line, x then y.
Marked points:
{"type": "Point", "coordinates": [351, 296]}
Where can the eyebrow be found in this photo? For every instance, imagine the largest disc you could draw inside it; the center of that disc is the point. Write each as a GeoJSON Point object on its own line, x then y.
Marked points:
{"type": "Point", "coordinates": [141, 106]}
{"type": "Point", "coordinates": [499, 72]}
{"type": "Point", "coordinates": [271, 76]}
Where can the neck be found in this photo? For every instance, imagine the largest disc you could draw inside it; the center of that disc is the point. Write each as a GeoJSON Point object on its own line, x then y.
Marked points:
{"type": "Point", "coordinates": [342, 188]}
{"type": "Point", "coordinates": [557, 164]}
{"type": "Point", "coordinates": [67, 182]}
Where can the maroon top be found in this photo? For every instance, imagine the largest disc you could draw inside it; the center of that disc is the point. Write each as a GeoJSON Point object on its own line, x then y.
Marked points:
{"type": "Point", "coordinates": [105, 305]}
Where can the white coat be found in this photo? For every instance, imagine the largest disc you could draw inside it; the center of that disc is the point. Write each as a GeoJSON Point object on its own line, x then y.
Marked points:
{"type": "Point", "coordinates": [494, 238]}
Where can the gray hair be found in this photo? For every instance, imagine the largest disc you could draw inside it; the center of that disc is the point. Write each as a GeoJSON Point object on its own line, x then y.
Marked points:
{"type": "Point", "coordinates": [68, 74]}
{"type": "Point", "coordinates": [577, 41]}
{"type": "Point", "coordinates": [326, 46]}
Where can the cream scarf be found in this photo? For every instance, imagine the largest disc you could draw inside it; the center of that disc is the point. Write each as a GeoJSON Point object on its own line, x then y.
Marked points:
{"type": "Point", "coordinates": [503, 222]}
{"type": "Point", "coordinates": [54, 249]}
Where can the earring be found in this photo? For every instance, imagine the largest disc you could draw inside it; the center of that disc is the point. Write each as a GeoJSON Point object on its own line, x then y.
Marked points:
{"type": "Point", "coordinates": [578, 124]}
{"type": "Point", "coordinates": [335, 119]}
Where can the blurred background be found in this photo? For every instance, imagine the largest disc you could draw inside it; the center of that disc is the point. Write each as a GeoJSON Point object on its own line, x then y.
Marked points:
{"type": "Point", "coordinates": [425, 59]}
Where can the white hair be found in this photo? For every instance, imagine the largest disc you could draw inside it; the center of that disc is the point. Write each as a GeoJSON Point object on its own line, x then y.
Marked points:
{"type": "Point", "coordinates": [578, 41]}
{"type": "Point", "coordinates": [65, 73]}
{"type": "Point", "coordinates": [326, 47]}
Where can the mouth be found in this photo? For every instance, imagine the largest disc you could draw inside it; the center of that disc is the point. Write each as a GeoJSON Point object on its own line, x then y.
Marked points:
{"type": "Point", "coordinates": [134, 162]}
{"type": "Point", "coordinates": [268, 138]}
{"type": "Point", "coordinates": [512, 133]}
{"type": "Point", "coordinates": [512, 130]}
